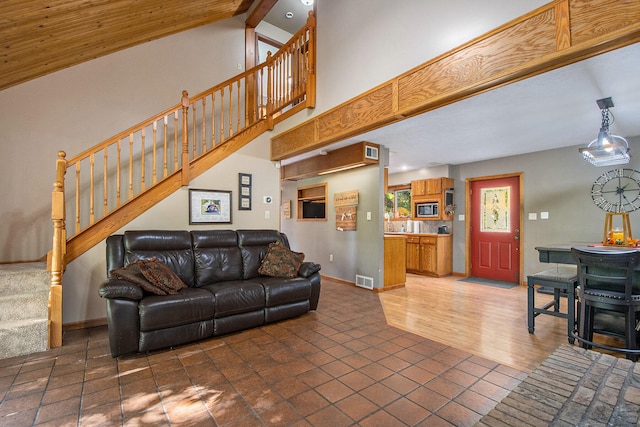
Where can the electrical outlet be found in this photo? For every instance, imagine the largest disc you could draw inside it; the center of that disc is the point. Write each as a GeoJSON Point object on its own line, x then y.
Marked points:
{"type": "Point", "coordinates": [331, 257]}
{"type": "Point", "coordinates": [267, 214]}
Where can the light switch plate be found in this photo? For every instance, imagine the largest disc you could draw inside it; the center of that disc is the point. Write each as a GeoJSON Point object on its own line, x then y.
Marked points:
{"type": "Point", "coordinates": [544, 215]}
{"type": "Point", "coordinates": [533, 216]}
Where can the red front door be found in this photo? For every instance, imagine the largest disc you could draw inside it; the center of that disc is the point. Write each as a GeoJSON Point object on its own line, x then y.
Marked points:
{"type": "Point", "coordinates": [495, 228]}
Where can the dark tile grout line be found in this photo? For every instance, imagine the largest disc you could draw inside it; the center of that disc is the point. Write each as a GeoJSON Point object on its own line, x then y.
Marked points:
{"type": "Point", "coordinates": [353, 329]}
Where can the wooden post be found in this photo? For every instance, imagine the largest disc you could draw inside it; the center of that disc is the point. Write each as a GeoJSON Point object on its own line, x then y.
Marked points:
{"type": "Point", "coordinates": [311, 62]}
{"type": "Point", "coordinates": [57, 259]}
{"type": "Point", "coordinates": [185, 138]}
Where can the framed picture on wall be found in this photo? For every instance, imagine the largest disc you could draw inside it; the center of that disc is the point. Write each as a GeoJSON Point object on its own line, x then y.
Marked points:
{"type": "Point", "coordinates": [244, 191]}
{"type": "Point", "coordinates": [209, 206]}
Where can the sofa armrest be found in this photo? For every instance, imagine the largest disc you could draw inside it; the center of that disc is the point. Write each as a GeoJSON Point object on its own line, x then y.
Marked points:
{"type": "Point", "coordinates": [308, 268]}
{"type": "Point", "coordinates": [115, 288]}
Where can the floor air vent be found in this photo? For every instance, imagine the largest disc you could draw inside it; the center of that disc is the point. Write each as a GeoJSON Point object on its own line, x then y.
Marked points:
{"type": "Point", "coordinates": [364, 281]}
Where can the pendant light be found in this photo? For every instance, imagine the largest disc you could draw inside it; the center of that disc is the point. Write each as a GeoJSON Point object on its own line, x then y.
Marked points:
{"type": "Point", "coordinates": [606, 149]}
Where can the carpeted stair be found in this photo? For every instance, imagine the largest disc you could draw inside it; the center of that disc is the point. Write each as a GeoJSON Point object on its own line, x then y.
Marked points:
{"type": "Point", "coordinates": [24, 299]}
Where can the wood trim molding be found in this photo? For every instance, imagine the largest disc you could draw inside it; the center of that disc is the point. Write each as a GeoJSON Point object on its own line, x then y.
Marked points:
{"type": "Point", "coordinates": [557, 34]}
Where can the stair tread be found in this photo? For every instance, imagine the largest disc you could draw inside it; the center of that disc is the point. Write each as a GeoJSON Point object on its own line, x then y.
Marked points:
{"type": "Point", "coordinates": [12, 324]}
{"type": "Point", "coordinates": [24, 278]}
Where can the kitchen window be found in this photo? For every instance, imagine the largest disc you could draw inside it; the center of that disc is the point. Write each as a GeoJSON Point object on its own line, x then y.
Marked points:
{"type": "Point", "coordinates": [397, 202]}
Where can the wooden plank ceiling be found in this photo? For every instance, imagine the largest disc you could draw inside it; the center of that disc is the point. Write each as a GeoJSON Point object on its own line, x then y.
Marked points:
{"type": "Point", "coordinates": [43, 36]}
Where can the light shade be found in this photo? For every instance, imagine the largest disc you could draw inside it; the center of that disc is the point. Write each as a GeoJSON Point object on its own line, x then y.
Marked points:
{"type": "Point", "coordinates": [615, 151]}
{"type": "Point", "coordinates": [606, 149]}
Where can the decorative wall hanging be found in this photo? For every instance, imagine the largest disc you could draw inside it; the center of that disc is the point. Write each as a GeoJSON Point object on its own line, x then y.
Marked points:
{"type": "Point", "coordinates": [286, 209]}
{"type": "Point", "coordinates": [346, 204]}
{"type": "Point", "coordinates": [244, 191]}
{"type": "Point", "coordinates": [495, 210]}
{"type": "Point", "coordinates": [209, 206]}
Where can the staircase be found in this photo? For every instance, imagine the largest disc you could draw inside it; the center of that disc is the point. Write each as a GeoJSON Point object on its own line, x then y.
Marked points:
{"type": "Point", "coordinates": [24, 312]}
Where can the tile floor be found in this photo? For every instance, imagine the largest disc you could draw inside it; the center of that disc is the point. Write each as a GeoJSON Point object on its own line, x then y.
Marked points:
{"type": "Point", "coordinates": [341, 365]}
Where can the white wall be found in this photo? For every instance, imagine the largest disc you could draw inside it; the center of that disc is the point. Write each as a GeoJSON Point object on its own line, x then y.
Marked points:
{"type": "Point", "coordinates": [76, 108]}
{"type": "Point", "coordinates": [354, 252]}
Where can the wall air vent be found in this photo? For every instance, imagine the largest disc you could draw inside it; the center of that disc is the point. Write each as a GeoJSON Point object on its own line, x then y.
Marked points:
{"type": "Point", "coordinates": [370, 152]}
{"type": "Point", "coordinates": [364, 281]}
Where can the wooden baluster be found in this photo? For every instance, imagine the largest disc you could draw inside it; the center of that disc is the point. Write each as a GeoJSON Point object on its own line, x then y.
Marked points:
{"type": "Point", "coordinates": [92, 191]}
{"type": "Point", "coordinates": [194, 136]}
{"type": "Point", "coordinates": [185, 137]}
{"type": "Point", "coordinates": [105, 183]}
{"type": "Point", "coordinates": [164, 158]}
{"type": "Point", "coordinates": [154, 150]}
{"type": "Point", "coordinates": [269, 92]}
{"type": "Point", "coordinates": [130, 166]}
{"type": "Point", "coordinates": [142, 162]}
{"type": "Point", "coordinates": [77, 197]}
{"type": "Point", "coordinates": [175, 141]}
{"type": "Point", "coordinates": [222, 138]}
{"type": "Point", "coordinates": [213, 119]}
{"type": "Point", "coordinates": [118, 171]}
{"type": "Point", "coordinates": [203, 125]}
{"type": "Point", "coordinates": [239, 104]}
{"type": "Point", "coordinates": [230, 110]}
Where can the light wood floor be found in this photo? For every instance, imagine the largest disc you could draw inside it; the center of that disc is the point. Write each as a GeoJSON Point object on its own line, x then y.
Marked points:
{"type": "Point", "coordinates": [486, 321]}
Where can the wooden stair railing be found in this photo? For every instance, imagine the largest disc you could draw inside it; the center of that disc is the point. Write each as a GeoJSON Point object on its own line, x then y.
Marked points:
{"type": "Point", "coordinates": [115, 181]}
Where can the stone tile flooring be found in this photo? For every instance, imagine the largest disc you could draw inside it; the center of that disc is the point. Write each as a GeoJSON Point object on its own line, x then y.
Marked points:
{"type": "Point", "coordinates": [573, 387]}
{"type": "Point", "coordinates": [341, 365]}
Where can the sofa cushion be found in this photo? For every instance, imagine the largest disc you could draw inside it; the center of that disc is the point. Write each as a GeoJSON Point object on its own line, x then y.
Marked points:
{"type": "Point", "coordinates": [280, 261]}
{"type": "Point", "coordinates": [279, 291]}
{"type": "Point", "coordinates": [217, 256]}
{"type": "Point", "coordinates": [170, 247]}
{"type": "Point", "coordinates": [236, 297]}
{"type": "Point", "coordinates": [131, 273]}
{"type": "Point", "coordinates": [160, 275]}
{"type": "Point", "coordinates": [187, 306]}
{"type": "Point", "coordinates": [254, 245]}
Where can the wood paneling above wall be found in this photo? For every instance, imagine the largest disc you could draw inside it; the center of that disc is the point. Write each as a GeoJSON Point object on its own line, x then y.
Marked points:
{"type": "Point", "coordinates": [557, 34]}
{"type": "Point", "coordinates": [40, 37]}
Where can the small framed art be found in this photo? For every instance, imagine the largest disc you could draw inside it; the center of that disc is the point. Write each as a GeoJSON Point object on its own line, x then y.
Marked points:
{"type": "Point", "coordinates": [209, 206]}
{"type": "Point", "coordinates": [244, 191]}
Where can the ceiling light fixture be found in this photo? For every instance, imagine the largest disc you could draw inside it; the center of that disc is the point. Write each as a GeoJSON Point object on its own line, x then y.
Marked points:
{"type": "Point", "coordinates": [606, 149]}
{"type": "Point", "coordinates": [307, 2]}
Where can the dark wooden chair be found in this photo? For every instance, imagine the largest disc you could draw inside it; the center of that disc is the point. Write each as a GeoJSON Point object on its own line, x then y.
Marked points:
{"type": "Point", "coordinates": [607, 284]}
{"type": "Point", "coordinates": [562, 280]}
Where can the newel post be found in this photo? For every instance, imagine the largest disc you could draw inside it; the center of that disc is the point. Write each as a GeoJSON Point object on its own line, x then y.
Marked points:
{"type": "Point", "coordinates": [185, 137]}
{"type": "Point", "coordinates": [311, 62]}
{"type": "Point", "coordinates": [56, 259]}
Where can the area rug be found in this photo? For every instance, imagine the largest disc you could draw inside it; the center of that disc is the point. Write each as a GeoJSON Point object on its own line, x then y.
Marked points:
{"type": "Point", "coordinates": [489, 282]}
{"type": "Point", "coordinates": [573, 387]}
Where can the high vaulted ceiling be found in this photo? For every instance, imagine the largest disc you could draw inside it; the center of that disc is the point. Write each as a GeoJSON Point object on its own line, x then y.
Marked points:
{"type": "Point", "coordinates": [43, 36]}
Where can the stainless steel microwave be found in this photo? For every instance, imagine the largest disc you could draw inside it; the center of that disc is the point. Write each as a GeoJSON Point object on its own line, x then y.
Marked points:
{"type": "Point", "coordinates": [427, 210]}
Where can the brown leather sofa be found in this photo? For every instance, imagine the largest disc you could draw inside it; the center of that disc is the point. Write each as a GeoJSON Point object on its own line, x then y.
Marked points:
{"type": "Point", "coordinates": [224, 293]}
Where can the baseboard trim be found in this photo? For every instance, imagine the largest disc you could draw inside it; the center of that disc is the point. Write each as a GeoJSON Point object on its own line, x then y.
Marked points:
{"type": "Point", "coordinates": [84, 324]}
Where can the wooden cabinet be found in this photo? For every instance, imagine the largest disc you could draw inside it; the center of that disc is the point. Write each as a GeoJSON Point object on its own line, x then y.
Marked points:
{"type": "Point", "coordinates": [432, 190]}
{"type": "Point", "coordinates": [413, 253]}
{"type": "Point", "coordinates": [430, 255]}
{"type": "Point", "coordinates": [395, 273]}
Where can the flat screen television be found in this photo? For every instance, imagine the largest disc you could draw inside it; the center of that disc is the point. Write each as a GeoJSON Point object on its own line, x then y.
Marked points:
{"type": "Point", "coordinates": [313, 210]}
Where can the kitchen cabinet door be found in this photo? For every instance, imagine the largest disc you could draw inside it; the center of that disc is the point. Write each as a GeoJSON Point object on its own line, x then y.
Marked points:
{"type": "Point", "coordinates": [413, 254]}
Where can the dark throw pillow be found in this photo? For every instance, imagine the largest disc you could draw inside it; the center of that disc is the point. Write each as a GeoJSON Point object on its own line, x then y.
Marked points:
{"type": "Point", "coordinates": [161, 275]}
{"type": "Point", "coordinates": [279, 261]}
{"type": "Point", "coordinates": [131, 273]}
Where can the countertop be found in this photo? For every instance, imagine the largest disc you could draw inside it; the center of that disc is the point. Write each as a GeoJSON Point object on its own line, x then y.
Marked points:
{"type": "Point", "coordinates": [404, 233]}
